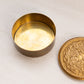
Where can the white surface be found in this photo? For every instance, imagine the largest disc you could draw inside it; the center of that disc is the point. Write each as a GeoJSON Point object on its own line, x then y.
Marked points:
{"type": "Point", "coordinates": [15, 68]}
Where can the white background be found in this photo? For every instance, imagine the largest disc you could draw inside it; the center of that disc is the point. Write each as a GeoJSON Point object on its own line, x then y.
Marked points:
{"type": "Point", "coordinates": [15, 68]}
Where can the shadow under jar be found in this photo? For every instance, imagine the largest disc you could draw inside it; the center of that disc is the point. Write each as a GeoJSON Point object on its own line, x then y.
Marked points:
{"type": "Point", "coordinates": [34, 34]}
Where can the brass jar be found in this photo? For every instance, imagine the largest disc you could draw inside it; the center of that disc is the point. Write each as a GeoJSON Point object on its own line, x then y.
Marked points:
{"type": "Point", "coordinates": [34, 34]}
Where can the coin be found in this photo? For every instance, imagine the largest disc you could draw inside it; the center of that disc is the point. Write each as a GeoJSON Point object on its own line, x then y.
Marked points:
{"type": "Point", "coordinates": [71, 57]}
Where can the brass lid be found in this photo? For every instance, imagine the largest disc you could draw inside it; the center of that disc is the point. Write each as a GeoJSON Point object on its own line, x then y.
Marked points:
{"type": "Point", "coordinates": [71, 57]}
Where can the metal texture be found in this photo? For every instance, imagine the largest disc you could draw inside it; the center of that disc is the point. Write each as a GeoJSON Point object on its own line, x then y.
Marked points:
{"type": "Point", "coordinates": [34, 34]}
{"type": "Point", "coordinates": [71, 57]}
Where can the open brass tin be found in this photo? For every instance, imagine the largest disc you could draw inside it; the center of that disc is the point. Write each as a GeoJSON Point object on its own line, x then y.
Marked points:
{"type": "Point", "coordinates": [34, 34]}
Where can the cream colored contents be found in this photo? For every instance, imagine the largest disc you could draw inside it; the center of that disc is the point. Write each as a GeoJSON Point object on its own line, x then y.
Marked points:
{"type": "Point", "coordinates": [34, 36]}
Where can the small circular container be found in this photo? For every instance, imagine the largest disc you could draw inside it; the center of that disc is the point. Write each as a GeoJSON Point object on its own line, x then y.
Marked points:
{"type": "Point", "coordinates": [34, 34]}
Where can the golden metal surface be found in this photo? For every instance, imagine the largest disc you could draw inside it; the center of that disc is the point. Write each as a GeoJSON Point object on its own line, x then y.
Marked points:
{"type": "Point", "coordinates": [34, 34]}
{"type": "Point", "coordinates": [71, 57]}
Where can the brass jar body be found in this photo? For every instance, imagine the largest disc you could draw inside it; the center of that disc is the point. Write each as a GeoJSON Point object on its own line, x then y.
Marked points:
{"type": "Point", "coordinates": [34, 34]}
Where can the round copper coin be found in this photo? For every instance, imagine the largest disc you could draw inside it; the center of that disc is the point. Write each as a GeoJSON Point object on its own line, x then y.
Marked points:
{"type": "Point", "coordinates": [71, 57]}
